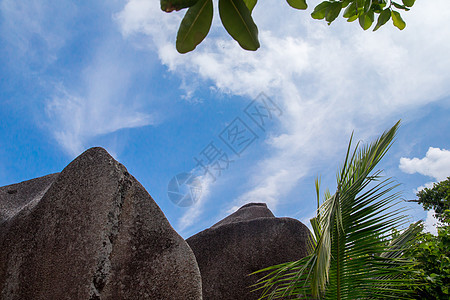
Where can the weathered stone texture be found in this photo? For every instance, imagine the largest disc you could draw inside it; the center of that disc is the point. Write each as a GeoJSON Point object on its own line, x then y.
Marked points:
{"type": "Point", "coordinates": [244, 242]}
{"type": "Point", "coordinates": [95, 234]}
{"type": "Point", "coordinates": [23, 196]}
{"type": "Point", "coordinates": [246, 213]}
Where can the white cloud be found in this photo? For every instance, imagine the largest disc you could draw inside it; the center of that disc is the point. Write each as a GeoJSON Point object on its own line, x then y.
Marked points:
{"type": "Point", "coordinates": [431, 223]}
{"type": "Point", "coordinates": [436, 164]}
{"type": "Point", "coordinates": [75, 120]}
{"type": "Point", "coordinates": [191, 216]}
{"type": "Point", "coordinates": [425, 186]}
{"type": "Point", "coordinates": [99, 105]}
{"type": "Point", "coordinates": [327, 79]}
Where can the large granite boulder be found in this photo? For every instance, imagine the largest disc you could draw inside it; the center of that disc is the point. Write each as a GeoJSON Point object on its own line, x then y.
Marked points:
{"type": "Point", "coordinates": [91, 232]}
{"type": "Point", "coordinates": [246, 241]}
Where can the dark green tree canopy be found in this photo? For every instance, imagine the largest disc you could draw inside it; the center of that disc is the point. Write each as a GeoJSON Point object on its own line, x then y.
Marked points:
{"type": "Point", "coordinates": [430, 253]}
{"type": "Point", "coordinates": [437, 198]}
{"type": "Point", "coordinates": [236, 17]}
{"type": "Point", "coordinates": [431, 256]}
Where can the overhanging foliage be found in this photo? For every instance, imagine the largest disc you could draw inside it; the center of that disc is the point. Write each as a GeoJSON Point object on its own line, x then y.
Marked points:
{"type": "Point", "coordinates": [236, 17]}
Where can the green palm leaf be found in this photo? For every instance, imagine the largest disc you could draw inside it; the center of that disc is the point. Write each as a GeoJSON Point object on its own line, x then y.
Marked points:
{"type": "Point", "coordinates": [354, 256]}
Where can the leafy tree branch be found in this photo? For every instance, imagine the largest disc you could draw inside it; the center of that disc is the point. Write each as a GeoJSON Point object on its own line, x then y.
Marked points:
{"type": "Point", "coordinates": [236, 17]}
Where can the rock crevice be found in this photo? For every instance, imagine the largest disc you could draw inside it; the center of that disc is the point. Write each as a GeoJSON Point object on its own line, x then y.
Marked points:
{"type": "Point", "coordinates": [103, 270]}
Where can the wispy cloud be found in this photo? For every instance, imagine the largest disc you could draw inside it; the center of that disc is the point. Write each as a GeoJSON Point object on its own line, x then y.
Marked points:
{"type": "Point", "coordinates": [191, 216]}
{"type": "Point", "coordinates": [96, 97]}
{"type": "Point", "coordinates": [328, 80]}
{"type": "Point", "coordinates": [99, 105]}
{"type": "Point", "coordinates": [75, 120]}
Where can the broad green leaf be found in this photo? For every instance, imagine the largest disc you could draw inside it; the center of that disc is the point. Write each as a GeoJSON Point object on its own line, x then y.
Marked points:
{"type": "Point", "coordinates": [360, 5]}
{"type": "Point", "coordinates": [299, 4]}
{"type": "Point", "coordinates": [194, 26]}
{"type": "Point", "coordinates": [352, 18]}
{"type": "Point", "coordinates": [171, 5]}
{"type": "Point", "coordinates": [398, 21]}
{"type": "Point", "coordinates": [378, 5]}
{"type": "Point", "coordinates": [345, 3]}
{"type": "Point", "coordinates": [408, 3]}
{"type": "Point", "coordinates": [367, 5]}
{"type": "Point", "coordinates": [250, 4]}
{"type": "Point", "coordinates": [320, 11]}
{"type": "Point", "coordinates": [366, 20]}
{"type": "Point", "coordinates": [350, 11]}
{"type": "Point", "coordinates": [399, 6]}
{"type": "Point", "coordinates": [333, 12]}
{"type": "Point", "coordinates": [237, 20]}
{"type": "Point", "coordinates": [383, 18]}
{"type": "Point", "coordinates": [377, 8]}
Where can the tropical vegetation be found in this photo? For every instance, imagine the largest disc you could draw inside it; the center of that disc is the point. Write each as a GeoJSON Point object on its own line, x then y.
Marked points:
{"type": "Point", "coordinates": [354, 253]}
{"type": "Point", "coordinates": [431, 270]}
{"type": "Point", "coordinates": [431, 253]}
{"type": "Point", "coordinates": [436, 198]}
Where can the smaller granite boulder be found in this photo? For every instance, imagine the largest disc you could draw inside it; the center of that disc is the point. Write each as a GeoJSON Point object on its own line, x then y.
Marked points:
{"type": "Point", "coordinates": [248, 240]}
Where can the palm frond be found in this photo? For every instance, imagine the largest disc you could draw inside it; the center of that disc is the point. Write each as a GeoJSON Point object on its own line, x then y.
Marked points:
{"type": "Point", "coordinates": [354, 256]}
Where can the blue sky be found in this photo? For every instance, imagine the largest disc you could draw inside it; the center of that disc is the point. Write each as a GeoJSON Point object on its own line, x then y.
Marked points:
{"type": "Point", "coordinates": [81, 74]}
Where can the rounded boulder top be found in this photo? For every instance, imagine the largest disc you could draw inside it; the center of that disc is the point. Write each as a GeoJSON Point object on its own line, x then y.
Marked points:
{"type": "Point", "coordinates": [247, 212]}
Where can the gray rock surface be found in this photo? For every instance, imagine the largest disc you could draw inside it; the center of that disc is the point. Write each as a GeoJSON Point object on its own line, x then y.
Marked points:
{"type": "Point", "coordinates": [23, 196]}
{"type": "Point", "coordinates": [247, 212]}
{"type": "Point", "coordinates": [95, 234]}
{"type": "Point", "coordinates": [244, 242]}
